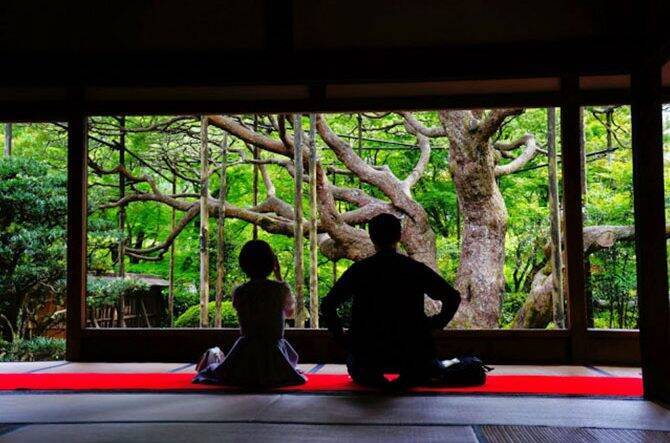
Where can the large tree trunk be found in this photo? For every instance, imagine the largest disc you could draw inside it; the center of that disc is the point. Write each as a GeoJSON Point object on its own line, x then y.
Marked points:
{"type": "Point", "coordinates": [418, 239]}
{"type": "Point", "coordinates": [480, 277]}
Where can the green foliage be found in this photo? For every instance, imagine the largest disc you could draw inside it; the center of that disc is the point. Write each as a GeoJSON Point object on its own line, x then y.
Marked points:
{"type": "Point", "coordinates": [614, 288]}
{"type": "Point", "coordinates": [36, 349]}
{"type": "Point", "coordinates": [609, 201]}
{"type": "Point", "coordinates": [191, 318]}
{"type": "Point", "coordinates": [184, 298]}
{"type": "Point", "coordinates": [32, 230]}
{"type": "Point", "coordinates": [103, 292]}
{"type": "Point", "coordinates": [512, 302]}
{"type": "Point", "coordinates": [38, 229]}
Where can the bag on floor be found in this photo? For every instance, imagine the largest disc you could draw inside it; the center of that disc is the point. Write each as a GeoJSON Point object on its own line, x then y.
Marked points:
{"type": "Point", "coordinates": [463, 371]}
{"type": "Point", "coordinates": [212, 355]}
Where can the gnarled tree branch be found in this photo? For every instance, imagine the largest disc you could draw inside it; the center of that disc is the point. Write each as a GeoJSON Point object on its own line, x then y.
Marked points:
{"type": "Point", "coordinates": [527, 155]}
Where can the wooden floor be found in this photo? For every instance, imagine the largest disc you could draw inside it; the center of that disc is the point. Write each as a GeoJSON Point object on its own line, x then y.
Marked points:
{"type": "Point", "coordinates": [202, 417]}
{"type": "Point", "coordinates": [64, 366]}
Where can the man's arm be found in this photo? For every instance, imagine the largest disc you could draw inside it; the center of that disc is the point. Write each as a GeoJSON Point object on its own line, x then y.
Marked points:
{"type": "Point", "coordinates": [339, 293]}
{"type": "Point", "coordinates": [437, 288]}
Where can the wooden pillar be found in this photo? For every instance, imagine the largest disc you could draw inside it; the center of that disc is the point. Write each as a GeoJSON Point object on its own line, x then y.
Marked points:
{"type": "Point", "coordinates": [220, 231]}
{"type": "Point", "coordinates": [204, 223]}
{"type": "Point", "coordinates": [571, 139]}
{"type": "Point", "coordinates": [313, 222]}
{"type": "Point", "coordinates": [76, 234]}
{"type": "Point", "coordinates": [555, 223]}
{"type": "Point", "coordinates": [649, 202]}
{"type": "Point", "coordinates": [298, 226]}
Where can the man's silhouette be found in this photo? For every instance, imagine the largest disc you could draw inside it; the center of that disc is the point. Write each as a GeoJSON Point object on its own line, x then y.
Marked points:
{"type": "Point", "coordinates": [389, 329]}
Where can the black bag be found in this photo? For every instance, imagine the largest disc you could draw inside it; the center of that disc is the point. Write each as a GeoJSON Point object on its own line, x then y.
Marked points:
{"type": "Point", "coordinates": [463, 371]}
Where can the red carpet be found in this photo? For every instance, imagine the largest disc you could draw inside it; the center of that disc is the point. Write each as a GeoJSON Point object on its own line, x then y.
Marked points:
{"type": "Point", "coordinates": [496, 384]}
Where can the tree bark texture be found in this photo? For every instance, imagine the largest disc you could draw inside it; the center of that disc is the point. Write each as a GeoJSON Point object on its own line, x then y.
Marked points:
{"type": "Point", "coordinates": [298, 217]}
{"type": "Point", "coordinates": [480, 277]}
{"type": "Point", "coordinates": [313, 229]}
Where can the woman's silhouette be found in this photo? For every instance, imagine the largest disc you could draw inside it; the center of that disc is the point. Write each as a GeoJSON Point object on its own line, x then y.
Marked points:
{"type": "Point", "coordinates": [260, 357]}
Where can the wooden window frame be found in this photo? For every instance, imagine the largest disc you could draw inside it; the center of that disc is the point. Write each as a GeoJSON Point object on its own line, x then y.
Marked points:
{"type": "Point", "coordinates": [574, 345]}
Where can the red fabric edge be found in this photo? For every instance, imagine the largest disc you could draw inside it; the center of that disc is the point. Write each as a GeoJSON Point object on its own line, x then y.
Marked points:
{"type": "Point", "coordinates": [495, 384]}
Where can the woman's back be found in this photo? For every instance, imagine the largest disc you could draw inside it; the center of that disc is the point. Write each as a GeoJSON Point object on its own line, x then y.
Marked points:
{"type": "Point", "coordinates": [261, 306]}
{"type": "Point", "coordinates": [261, 357]}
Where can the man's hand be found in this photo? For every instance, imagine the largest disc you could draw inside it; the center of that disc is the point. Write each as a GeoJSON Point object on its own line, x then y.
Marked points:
{"type": "Point", "coordinates": [437, 321]}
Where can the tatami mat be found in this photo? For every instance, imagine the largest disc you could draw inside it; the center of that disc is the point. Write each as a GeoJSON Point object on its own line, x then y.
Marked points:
{"type": "Point", "coordinates": [63, 366]}
{"type": "Point", "coordinates": [206, 417]}
{"type": "Point", "coordinates": [333, 409]}
{"type": "Point", "coordinates": [545, 434]}
{"type": "Point", "coordinates": [237, 432]}
{"type": "Point", "coordinates": [21, 367]}
{"type": "Point", "coordinates": [616, 371]}
{"type": "Point", "coordinates": [546, 370]}
{"type": "Point", "coordinates": [113, 367]}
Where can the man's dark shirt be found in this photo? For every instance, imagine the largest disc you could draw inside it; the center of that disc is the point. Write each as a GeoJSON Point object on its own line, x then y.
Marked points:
{"type": "Point", "coordinates": [388, 323]}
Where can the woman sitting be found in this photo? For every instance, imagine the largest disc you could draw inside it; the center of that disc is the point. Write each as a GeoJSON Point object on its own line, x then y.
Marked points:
{"type": "Point", "coordinates": [260, 358]}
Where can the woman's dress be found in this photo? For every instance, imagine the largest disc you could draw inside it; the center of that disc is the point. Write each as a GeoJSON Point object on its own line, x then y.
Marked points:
{"type": "Point", "coordinates": [261, 357]}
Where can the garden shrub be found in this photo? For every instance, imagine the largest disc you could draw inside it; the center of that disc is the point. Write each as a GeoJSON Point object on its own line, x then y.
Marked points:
{"type": "Point", "coordinates": [33, 210]}
{"type": "Point", "coordinates": [184, 298]}
{"type": "Point", "coordinates": [36, 349]}
{"type": "Point", "coordinates": [191, 318]}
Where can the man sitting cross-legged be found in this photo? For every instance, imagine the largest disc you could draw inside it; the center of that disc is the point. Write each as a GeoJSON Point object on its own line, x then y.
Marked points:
{"type": "Point", "coordinates": [389, 329]}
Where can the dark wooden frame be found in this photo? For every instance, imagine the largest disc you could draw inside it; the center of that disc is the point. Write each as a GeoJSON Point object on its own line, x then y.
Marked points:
{"type": "Point", "coordinates": [77, 186]}
{"type": "Point", "coordinates": [650, 224]}
{"type": "Point", "coordinates": [577, 344]}
{"type": "Point", "coordinates": [574, 345]}
{"type": "Point", "coordinates": [637, 56]}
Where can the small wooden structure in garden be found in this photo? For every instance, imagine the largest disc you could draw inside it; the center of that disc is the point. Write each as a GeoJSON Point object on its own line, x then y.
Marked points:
{"type": "Point", "coordinates": [148, 310]}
